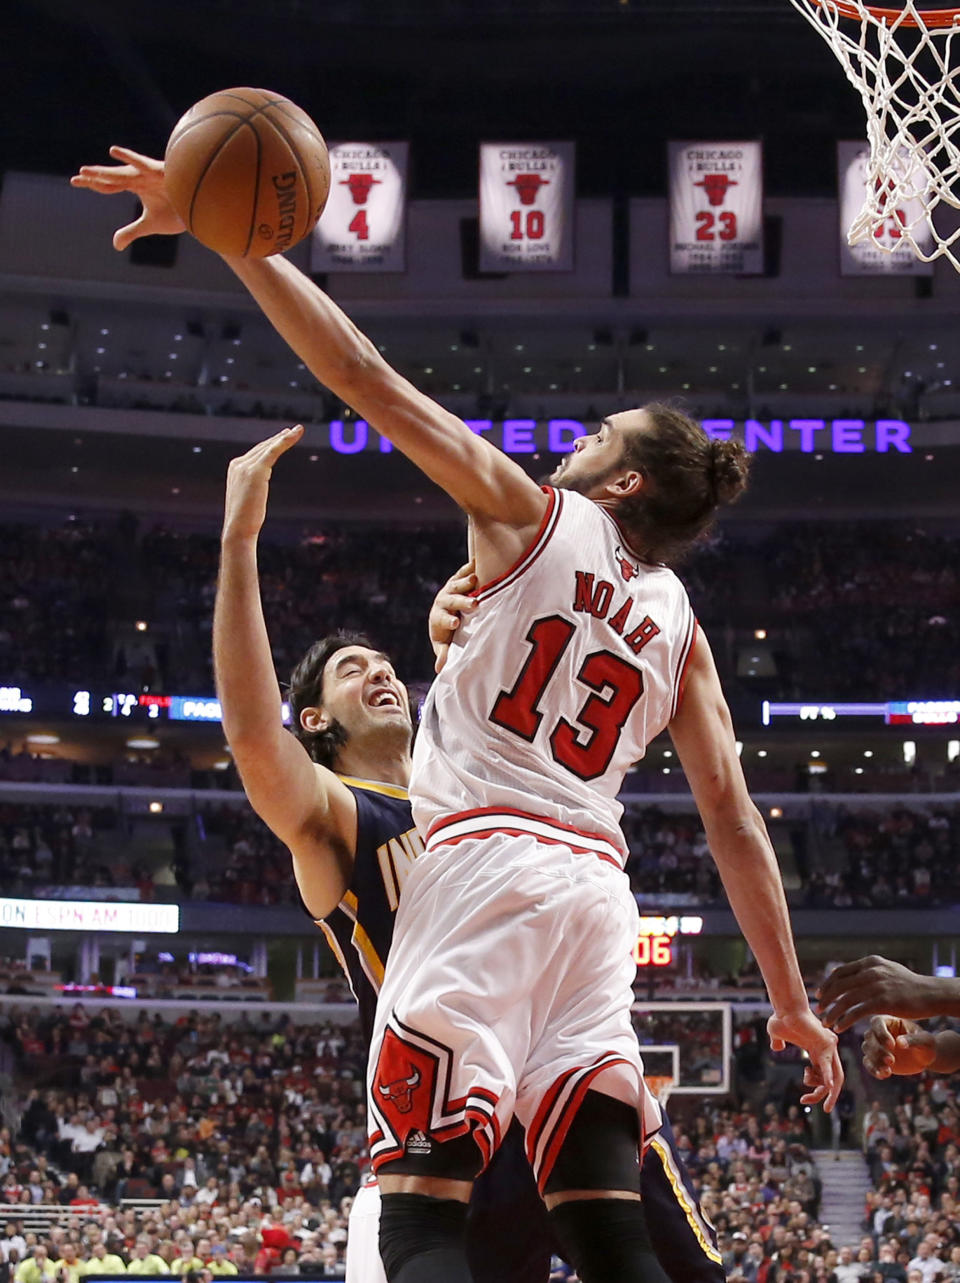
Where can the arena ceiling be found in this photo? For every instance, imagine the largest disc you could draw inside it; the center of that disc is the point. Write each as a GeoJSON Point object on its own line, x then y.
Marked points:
{"type": "Point", "coordinates": [619, 76]}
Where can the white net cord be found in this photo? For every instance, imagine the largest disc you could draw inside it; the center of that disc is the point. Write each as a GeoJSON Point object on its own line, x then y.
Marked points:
{"type": "Point", "coordinates": [901, 67]}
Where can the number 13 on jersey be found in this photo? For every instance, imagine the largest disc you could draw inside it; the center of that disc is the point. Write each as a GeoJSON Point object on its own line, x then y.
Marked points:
{"type": "Point", "coordinates": [585, 747]}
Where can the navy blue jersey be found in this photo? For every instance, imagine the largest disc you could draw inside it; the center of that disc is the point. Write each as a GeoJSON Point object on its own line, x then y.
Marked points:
{"type": "Point", "coordinates": [505, 1198]}
{"type": "Point", "coordinates": [360, 928]}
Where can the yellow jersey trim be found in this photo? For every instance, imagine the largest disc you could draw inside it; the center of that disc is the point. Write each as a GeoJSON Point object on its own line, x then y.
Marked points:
{"type": "Point", "coordinates": [375, 786]}
{"type": "Point", "coordinates": [683, 1198]}
{"type": "Point", "coordinates": [369, 958]}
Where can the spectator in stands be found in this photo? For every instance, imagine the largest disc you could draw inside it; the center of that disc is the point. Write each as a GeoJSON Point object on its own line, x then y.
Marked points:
{"type": "Point", "coordinates": [925, 1263]}
{"type": "Point", "coordinates": [35, 1268]}
{"type": "Point", "coordinates": [102, 1261]}
{"type": "Point", "coordinates": [186, 1259]}
{"type": "Point", "coordinates": [69, 1267]}
{"type": "Point", "coordinates": [12, 1241]}
{"type": "Point", "coordinates": [144, 1261]}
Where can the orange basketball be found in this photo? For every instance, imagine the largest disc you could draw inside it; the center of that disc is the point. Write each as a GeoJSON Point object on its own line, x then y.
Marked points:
{"type": "Point", "coordinates": [248, 172]}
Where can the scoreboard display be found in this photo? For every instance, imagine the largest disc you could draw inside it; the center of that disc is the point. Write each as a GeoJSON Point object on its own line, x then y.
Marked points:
{"type": "Point", "coordinates": [655, 939]}
{"type": "Point", "coordinates": [93, 703]}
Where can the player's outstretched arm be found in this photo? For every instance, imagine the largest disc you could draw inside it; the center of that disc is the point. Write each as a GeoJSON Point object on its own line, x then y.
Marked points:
{"type": "Point", "coordinates": [702, 733]}
{"type": "Point", "coordinates": [306, 806]}
{"type": "Point", "coordinates": [876, 986]}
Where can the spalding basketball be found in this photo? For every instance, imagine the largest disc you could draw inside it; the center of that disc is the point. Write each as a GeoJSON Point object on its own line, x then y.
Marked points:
{"type": "Point", "coordinates": [248, 172]}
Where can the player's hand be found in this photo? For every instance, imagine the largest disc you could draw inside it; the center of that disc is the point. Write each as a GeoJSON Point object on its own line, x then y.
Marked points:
{"type": "Point", "coordinates": [874, 986]}
{"type": "Point", "coordinates": [824, 1074]}
{"type": "Point", "coordinates": [144, 177]}
{"type": "Point", "coordinates": [248, 483]}
{"type": "Point", "coordinates": [895, 1046]}
{"type": "Point", "coordinates": [451, 602]}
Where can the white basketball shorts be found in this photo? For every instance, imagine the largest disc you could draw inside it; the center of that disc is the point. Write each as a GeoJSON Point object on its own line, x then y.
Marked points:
{"type": "Point", "coordinates": [507, 990]}
{"type": "Point", "coordinates": [363, 1236]}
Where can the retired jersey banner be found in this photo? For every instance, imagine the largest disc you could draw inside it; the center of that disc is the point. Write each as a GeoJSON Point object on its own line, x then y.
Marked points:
{"type": "Point", "coordinates": [526, 207]}
{"type": "Point", "coordinates": [716, 207]}
{"type": "Point", "coordinates": [885, 253]}
{"type": "Point", "coordinates": [362, 228]}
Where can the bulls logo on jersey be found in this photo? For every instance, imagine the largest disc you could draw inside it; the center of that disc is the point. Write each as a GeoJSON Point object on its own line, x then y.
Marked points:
{"type": "Point", "coordinates": [628, 568]}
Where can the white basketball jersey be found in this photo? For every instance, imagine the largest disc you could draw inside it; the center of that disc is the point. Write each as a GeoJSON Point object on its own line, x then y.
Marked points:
{"type": "Point", "coordinates": [570, 665]}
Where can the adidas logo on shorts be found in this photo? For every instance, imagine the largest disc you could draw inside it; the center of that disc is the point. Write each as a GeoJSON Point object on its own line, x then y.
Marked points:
{"type": "Point", "coordinates": [418, 1143]}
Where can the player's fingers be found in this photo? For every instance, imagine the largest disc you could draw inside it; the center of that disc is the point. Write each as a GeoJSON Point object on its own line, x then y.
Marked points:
{"type": "Point", "coordinates": [846, 1010]}
{"type": "Point", "coordinates": [833, 984]}
{"type": "Point", "coordinates": [282, 442]}
{"type": "Point", "coordinates": [776, 1044]}
{"type": "Point", "coordinates": [881, 1031]}
{"type": "Point", "coordinates": [814, 1096]}
{"type": "Point", "coordinates": [441, 659]}
{"type": "Point", "coordinates": [270, 447]}
{"type": "Point", "coordinates": [99, 173]}
{"type": "Point", "coordinates": [451, 602]}
{"type": "Point", "coordinates": [139, 162]}
{"type": "Point", "coordinates": [130, 232]}
{"type": "Point", "coordinates": [833, 1082]}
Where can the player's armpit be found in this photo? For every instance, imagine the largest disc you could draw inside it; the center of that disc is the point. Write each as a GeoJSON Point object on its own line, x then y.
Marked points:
{"type": "Point", "coordinates": [310, 810]}
{"type": "Point", "coordinates": [323, 854]}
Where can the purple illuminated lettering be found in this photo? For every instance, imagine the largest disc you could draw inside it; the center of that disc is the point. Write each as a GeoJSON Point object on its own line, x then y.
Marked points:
{"type": "Point", "coordinates": [479, 425]}
{"type": "Point", "coordinates": [847, 436]}
{"type": "Point", "coordinates": [718, 429]}
{"type": "Point", "coordinates": [561, 434]}
{"type": "Point", "coordinates": [893, 433]}
{"type": "Point", "coordinates": [755, 434]}
{"type": "Point", "coordinates": [386, 445]}
{"type": "Point", "coordinates": [518, 436]}
{"type": "Point", "coordinates": [806, 428]}
{"type": "Point", "coordinates": [338, 441]}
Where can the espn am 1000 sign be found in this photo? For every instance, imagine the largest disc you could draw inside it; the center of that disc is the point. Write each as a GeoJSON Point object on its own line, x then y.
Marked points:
{"type": "Point", "coordinates": [526, 207]}
{"type": "Point", "coordinates": [716, 207]}
{"type": "Point", "coordinates": [362, 228]}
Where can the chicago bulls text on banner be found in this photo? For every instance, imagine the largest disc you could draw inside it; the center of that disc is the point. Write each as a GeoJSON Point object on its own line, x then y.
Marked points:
{"type": "Point", "coordinates": [883, 254]}
{"type": "Point", "coordinates": [716, 207]}
{"type": "Point", "coordinates": [526, 207]}
{"type": "Point", "coordinates": [363, 226]}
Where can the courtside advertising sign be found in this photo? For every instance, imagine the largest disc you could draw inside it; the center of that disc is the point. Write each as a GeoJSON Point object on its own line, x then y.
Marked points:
{"type": "Point", "coordinates": [885, 253]}
{"type": "Point", "coordinates": [363, 226]}
{"type": "Point", "coordinates": [526, 207]}
{"type": "Point", "coordinates": [716, 208]}
{"type": "Point", "coordinates": [90, 915]}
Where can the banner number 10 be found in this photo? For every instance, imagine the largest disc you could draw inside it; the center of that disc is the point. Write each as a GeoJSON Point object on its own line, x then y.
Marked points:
{"type": "Point", "coordinates": [533, 225]}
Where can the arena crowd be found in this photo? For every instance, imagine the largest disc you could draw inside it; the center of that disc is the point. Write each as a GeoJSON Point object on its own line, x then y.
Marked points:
{"type": "Point", "coordinates": [858, 591]}
{"type": "Point", "coordinates": [245, 1142]}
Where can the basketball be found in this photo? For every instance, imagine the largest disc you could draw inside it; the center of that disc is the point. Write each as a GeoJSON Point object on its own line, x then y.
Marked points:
{"type": "Point", "coordinates": [248, 172]}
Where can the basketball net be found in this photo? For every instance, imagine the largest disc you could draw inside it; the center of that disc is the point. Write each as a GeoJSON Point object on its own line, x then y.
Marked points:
{"type": "Point", "coordinates": [899, 62]}
{"type": "Point", "coordinates": [660, 1086]}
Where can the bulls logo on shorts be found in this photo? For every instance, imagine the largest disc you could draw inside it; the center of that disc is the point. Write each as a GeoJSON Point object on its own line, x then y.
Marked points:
{"type": "Point", "coordinates": [414, 1113]}
{"type": "Point", "coordinates": [404, 1084]}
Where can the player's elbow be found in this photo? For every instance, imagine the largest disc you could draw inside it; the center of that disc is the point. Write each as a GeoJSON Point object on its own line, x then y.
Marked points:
{"type": "Point", "coordinates": [729, 813]}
